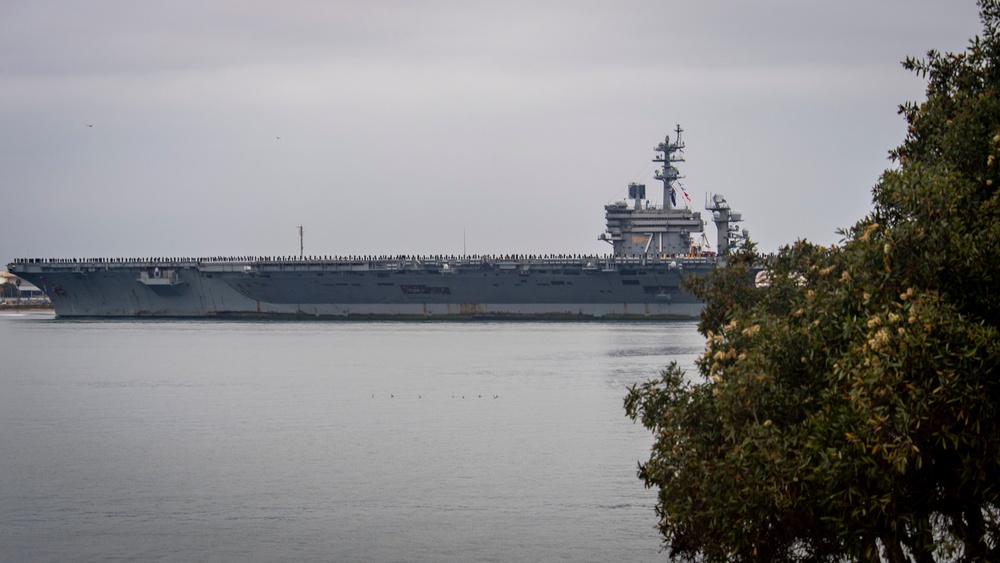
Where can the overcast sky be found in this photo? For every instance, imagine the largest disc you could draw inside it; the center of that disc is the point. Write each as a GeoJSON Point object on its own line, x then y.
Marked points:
{"type": "Point", "coordinates": [193, 128]}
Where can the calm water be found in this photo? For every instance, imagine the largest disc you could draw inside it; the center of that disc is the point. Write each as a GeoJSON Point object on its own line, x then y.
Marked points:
{"type": "Point", "coordinates": [326, 441]}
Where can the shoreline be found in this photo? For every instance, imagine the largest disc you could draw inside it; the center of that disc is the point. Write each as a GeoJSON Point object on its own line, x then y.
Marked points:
{"type": "Point", "coordinates": [23, 308]}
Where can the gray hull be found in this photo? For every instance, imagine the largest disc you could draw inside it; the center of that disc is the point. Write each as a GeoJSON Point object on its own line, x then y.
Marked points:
{"type": "Point", "coordinates": [593, 287]}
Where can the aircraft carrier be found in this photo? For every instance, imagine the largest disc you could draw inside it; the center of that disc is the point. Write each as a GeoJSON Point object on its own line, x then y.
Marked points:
{"type": "Point", "coordinates": [652, 247]}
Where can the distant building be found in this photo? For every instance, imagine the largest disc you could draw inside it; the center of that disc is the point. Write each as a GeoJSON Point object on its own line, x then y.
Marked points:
{"type": "Point", "coordinates": [26, 292]}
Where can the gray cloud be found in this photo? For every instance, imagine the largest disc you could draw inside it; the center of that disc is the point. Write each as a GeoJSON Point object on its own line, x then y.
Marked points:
{"type": "Point", "coordinates": [403, 125]}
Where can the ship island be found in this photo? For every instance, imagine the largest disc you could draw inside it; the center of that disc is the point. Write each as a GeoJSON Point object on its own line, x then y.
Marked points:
{"type": "Point", "coordinates": [652, 248]}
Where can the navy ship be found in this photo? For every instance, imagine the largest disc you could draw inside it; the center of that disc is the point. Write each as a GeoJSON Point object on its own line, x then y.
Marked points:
{"type": "Point", "coordinates": [652, 248]}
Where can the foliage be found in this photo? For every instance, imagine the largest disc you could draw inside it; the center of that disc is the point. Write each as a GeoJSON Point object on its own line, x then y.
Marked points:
{"type": "Point", "coordinates": [849, 409]}
{"type": "Point", "coordinates": [8, 289]}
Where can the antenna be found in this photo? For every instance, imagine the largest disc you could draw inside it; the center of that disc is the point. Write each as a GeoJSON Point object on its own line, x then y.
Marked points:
{"type": "Point", "coordinates": [301, 247]}
{"type": "Point", "coordinates": [668, 173]}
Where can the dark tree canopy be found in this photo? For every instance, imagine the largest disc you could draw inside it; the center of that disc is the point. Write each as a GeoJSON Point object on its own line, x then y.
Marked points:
{"type": "Point", "coordinates": [849, 410]}
{"type": "Point", "coordinates": [8, 289]}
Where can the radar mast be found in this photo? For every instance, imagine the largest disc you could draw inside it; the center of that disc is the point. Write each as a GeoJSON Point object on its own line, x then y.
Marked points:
{"type": "Point", "coordinates": [668, 174]}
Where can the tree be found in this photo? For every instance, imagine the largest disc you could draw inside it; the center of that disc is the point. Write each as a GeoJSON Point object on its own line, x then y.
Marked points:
{"type": "Point", "coordinates": [8, 289]}
{"type": "Point", "coordinates": [849, 410]}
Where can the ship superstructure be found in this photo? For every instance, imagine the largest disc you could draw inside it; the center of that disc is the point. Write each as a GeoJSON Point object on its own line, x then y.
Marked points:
{"type": "Point", "coordinates": [653, 248]}
{"type": "Point", "coordinates": [668, 230]}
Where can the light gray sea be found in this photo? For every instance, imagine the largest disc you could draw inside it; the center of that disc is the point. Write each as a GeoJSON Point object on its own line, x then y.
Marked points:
{"type": "Point", "coordinates": [326, 441]}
